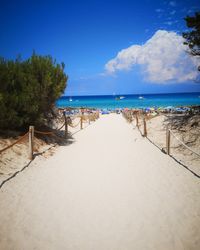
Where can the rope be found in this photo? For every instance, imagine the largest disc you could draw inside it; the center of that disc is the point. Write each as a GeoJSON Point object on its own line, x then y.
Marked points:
{"type": "Point", "coordinates": [148, 118]}
{"type": "Point", "coordinates": [139, 124]}
{"type": "Point", "coordinates": [43, 133]}
{"type": "Point", "coordinates": [85, 119]}
{"type": "Point", "coordinates": [74, 126]}
{"type": "Point", "coordinates": [74, 117]}
{"type": "Point", "coordinates": [184, 144]}
{"type": "Point", "coordinates": [47, 133]}
{"type": "Point", "coordinates": [93, 116]}
{"type": "Point", "coordinates": [4, 149]}
{"type": "Point", "coordinates": [35, 131]}
{"type": "Point", "coordinates": [61, 127]}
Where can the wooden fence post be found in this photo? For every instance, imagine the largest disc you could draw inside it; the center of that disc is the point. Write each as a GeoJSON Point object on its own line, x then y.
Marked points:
{"type": "Point", "coordinates": [168, 141]}
{"type": "Point", "coordinates": [31, 136]}
{"type": "Point", "coordinates": [145, 128]}
{"type": "Point", "coordinates": [136, 120]}
{"type": "Point", "coordinates": [66, 126]}
{"type": "Point", "coordinates": [81, 122]}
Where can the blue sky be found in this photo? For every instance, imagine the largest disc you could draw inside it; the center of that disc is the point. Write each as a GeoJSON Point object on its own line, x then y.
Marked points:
{"type": "Point", "coordinates": [108, 47]}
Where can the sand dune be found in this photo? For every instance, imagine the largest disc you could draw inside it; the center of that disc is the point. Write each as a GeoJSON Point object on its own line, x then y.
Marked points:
{"type": "Point", "coordinates": [109, 189]}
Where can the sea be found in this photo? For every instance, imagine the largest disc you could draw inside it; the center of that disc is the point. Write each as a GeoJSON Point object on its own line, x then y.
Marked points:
{"type": "Point", "coordinates": [130, 101]}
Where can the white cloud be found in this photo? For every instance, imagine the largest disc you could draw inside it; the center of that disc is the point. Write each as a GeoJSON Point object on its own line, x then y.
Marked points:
{"type": "Point", "coordinates": [163, 59]}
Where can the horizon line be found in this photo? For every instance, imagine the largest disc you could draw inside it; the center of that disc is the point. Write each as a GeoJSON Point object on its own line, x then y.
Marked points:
{"type": "Point", "coordinates": [192, 92]}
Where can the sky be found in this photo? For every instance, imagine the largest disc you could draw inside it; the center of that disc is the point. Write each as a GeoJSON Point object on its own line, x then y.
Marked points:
{"type": "Point", "coordinates": [108, 47]}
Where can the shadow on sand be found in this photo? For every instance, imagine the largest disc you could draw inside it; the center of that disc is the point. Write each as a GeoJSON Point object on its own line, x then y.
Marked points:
{"type": "Point", "coordinates": [178, 161]}
{"type": "Point", "coordinates": [57, 140]}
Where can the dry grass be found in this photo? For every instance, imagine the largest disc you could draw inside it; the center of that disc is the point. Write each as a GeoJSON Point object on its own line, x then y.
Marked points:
{"type": "Point", "coordinates": [186, 128]}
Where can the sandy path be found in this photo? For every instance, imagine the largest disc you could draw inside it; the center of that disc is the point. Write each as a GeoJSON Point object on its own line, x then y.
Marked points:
{"type": "Point", "coordinates": [109, 190]}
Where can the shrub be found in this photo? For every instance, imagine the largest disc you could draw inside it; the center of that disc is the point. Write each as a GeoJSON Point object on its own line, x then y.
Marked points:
{"type": "Point", "coordinates": [29, 89]}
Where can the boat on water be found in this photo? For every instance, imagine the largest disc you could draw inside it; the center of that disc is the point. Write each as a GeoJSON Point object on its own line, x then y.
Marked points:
{"type": "Point", "coordinates": [70, 99]}
{"type": "Point", "coordinates": [119, 98]}
{"type": "Point", "coordinates": [141, 97]}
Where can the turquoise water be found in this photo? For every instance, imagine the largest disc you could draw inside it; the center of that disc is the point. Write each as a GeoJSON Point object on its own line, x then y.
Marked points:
{"type": "Point", "coordinates": [130, 101]}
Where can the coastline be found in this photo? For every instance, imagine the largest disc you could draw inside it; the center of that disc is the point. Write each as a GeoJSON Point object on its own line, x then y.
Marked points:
{"type": "Point", "coordinates": [130, 101]}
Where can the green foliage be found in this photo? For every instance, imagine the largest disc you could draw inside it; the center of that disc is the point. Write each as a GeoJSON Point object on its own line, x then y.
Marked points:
{"type": "Point", "coordinates": [193, 37]}
{"type": "Point", "coordinates": [28, 90]}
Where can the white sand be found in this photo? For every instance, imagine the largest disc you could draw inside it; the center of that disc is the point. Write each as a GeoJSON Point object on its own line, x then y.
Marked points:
{"type": "Point", "coordinates": [110, 189]}
{"type": "Point", "coordinates": [156, 128]}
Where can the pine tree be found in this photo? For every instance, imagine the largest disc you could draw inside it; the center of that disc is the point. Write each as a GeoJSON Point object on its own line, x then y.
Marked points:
{"type": "Point", "coordinates": [193, 37]}
{"type": "Point", "coordinates": [29, 89]}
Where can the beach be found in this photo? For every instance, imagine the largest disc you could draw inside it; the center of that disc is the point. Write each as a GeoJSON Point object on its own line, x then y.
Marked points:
{"type": "Point", "coordinates": [108, 188]}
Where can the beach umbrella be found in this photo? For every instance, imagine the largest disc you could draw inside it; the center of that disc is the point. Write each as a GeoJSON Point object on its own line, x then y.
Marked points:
{"type": "Point", "coordinates": [180, 109]}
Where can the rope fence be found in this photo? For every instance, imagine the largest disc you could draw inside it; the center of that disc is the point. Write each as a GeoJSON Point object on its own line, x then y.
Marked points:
{"type": "Point", "coordinates": [14, 143]}
{"type": "Point", "coordinates": [171, 133]}
{"type": "Point", "coordinates": [74, 126]}
{"type": "Point", "coordinates": [61, 126]}
{"type": "Point", "coordinates": [68, 121]}
{"type": "Point", "coordinates": [43, 132]}
{"type": "Point", "coordinates": [141, 124]}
